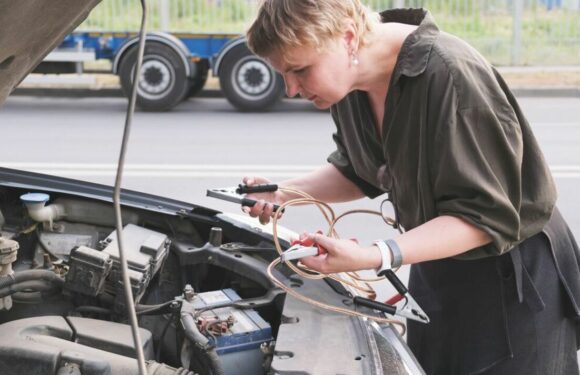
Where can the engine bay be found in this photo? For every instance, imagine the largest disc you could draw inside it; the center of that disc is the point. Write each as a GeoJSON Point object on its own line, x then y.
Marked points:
{"type": "Point", "coordinates": [204, 301]}
{"type": "Point", "coordinates": [203, 295]}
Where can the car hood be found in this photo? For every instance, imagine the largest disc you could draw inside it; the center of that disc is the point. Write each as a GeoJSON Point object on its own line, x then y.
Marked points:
{"type": "Point", "coordinates": [29, 30]}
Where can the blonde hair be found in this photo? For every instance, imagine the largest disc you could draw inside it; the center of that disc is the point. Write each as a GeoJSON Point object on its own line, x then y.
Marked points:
{"type": "Point", "coordinates": [283, 24]}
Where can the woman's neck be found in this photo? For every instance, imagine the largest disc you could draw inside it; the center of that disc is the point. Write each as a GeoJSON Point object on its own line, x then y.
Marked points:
{"type": "Point", "coordinates": [379, 56]}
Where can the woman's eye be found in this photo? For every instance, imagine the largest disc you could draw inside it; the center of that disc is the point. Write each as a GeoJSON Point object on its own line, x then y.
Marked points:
{"type": "Point", "coordinates": [299, 71]}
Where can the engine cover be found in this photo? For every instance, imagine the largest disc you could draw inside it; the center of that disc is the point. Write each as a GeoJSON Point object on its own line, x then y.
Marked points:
{"type": "Point", "coordinates": [93, 271]}
{"type": "Point", "coordinates": [41, 345]}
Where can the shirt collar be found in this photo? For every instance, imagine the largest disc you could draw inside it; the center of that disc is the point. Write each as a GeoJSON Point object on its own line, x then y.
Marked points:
{"type": "Point", "coordinates": [414, 54]}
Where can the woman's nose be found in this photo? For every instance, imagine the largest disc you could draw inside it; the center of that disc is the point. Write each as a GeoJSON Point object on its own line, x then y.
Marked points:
{"type": "Point", "coordinates": [292, 87]}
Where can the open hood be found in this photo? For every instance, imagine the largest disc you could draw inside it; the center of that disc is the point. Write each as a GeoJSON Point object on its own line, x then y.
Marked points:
{"type": "Point", "coordinates": [30, 30]}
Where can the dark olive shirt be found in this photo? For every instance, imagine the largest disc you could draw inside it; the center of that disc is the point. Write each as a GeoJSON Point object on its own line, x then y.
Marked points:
{"type": "Point", "coordinates": [454, 141]}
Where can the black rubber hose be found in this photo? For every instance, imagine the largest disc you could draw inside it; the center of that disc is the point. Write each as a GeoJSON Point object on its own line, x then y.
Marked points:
{"type": "Point", "coordinates": [6, 281]}
{"type": "Point", "coordinates": [37, 280]}
{"type": "Point", "coordinates": [193, 334]}
{"type": "Point", "coordinates": [27, 297]}
{"type": "Point", "coordinates": [140, 307]}
{"type": "Point", "coordinates": [30, 275]}
{"type": "Point", "coordinates": [161, 308]}
{"type": "Point", "coordinates": [94, 310]}
{"type": "Point", "coordinates": [35, 285]}
{"type": "Point", "coordinates": [162, 337]}
{"type": "Point", "coordinates": [36, 297]}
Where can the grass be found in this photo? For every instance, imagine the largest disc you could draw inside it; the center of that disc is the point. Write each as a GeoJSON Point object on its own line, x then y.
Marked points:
{"type": "Point", "coordinates": [551, 38]}
{"type": "Point", "coordinates": [548, 37]}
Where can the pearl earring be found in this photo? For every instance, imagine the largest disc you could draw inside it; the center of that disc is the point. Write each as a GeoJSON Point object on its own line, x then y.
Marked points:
{"type": "Point", "coordinates": [354, 59]}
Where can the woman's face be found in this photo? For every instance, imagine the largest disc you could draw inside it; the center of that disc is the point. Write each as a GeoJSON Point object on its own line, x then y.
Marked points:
{"type": "Point", "coordinates": [323, 77]}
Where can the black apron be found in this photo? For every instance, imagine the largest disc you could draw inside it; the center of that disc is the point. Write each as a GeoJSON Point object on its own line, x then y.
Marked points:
{"type": "Point", "coordinates": [517, 313]}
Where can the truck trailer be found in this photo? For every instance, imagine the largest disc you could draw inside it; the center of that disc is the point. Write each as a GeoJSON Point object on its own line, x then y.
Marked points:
{"type": "Point", "coordinates": [175, 66]}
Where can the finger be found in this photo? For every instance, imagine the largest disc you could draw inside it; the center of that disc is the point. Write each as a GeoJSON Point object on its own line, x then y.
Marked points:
{"type": "Point", "coordinates": [268, 210]}
{"type": "Point", "coordinates": [264, 219]}
{"type": "Point", "coordinates": [322, 240]}
{"type": "Point", "coordinates": [266, 214]}
{"type": "Point", "coordinates": [256, 180]}
{"type": "Point", "coordinates": [316, 263]}
{"type": "Point", "coordinates": [253, 180]}
{"type": "Point", "coordinates": [256, 209]}
{"type": "Point", "coordinates": [280, 214]}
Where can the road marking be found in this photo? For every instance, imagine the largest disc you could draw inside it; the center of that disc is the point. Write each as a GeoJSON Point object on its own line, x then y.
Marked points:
{"type": "Point", "coordinates": [565, 171]}
{"type": "Point", "coordinates": [200, 170]}
{"type": "Point", "coordinates": [555, 124]}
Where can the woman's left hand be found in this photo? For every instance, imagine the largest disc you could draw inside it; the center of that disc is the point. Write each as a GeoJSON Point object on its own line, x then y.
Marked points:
{"type": "Point", "coordinates": [342, 256]}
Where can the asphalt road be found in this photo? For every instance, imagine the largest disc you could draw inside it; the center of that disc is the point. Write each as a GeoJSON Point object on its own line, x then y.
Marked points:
{"type": "Point", "coordinates": [205, 143]}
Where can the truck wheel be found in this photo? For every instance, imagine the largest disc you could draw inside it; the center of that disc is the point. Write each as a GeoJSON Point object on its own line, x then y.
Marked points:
{"type": "Point", "coordinates": [162, 82]}
{"type": "Point", "coordinates": [248, 82]}
{"type": "Point", "coordinates": [197, 83]}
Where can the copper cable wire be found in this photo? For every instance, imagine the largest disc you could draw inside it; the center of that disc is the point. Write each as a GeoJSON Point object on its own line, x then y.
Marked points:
{"type": "Point", "coordinates": [329, 215]}
{"type": "Point", "coordinates": [328, 307]}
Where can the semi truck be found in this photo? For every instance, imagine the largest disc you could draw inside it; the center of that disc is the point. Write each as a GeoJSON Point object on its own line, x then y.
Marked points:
{"type": "Point", "coordinates": [175, 66]}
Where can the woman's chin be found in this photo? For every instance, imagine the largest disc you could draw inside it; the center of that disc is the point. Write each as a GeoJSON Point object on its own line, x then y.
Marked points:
{"type": "Point", "coordinates": [321, 104]}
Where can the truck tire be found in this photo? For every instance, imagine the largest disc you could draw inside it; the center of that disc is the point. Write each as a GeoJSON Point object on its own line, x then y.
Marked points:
{"type": "Point", "coordinates": [249, 83]}
{"type": "Point", "coordinates": [197, 83]}
{"type": "Point", "coordinates": [162, 83]}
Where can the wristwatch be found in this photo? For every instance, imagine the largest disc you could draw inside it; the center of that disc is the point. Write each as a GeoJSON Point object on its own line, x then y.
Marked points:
{"type": "Point", "coordinates": [386, 256]}
{"type": "Point", "coordinates": [390, 255]}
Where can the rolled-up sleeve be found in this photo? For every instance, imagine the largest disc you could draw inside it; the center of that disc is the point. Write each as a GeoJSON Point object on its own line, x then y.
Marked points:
{"type": "Point", "coordinates": [476, 166]}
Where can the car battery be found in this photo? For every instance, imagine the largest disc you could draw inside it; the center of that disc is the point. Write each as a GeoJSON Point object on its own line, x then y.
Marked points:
{"type": "Point", "coordinates": [239, 346]}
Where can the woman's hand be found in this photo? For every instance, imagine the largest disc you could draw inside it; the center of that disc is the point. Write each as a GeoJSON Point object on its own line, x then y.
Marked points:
{"type": "Point", "coordinates": [264, 207]}
{"type": "Point", "coordinates": [342, 256]}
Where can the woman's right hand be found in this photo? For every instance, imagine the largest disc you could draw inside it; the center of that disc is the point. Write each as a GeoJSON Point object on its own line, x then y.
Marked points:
{"type": "Point", "coordinates": [264, 207]}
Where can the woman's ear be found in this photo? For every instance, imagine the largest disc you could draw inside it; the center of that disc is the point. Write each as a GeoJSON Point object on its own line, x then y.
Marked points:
{"type": "Point", "coordinates": [351, 40]}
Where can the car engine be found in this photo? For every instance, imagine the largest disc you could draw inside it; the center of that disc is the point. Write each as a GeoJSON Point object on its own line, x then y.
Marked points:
{"type": "Point", "coordinates": [204, 301]}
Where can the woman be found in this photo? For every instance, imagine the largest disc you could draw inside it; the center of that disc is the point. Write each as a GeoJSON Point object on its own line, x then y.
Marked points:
{"type": "Point", "coordinates": [422, 116]}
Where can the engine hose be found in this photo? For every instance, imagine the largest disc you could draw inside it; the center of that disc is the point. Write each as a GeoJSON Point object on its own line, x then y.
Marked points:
{"type": "Point", "coordinates": [161, 308]}
{"type": "Point", "coordinates": [36, 297]}
{"type": "Point", "coordinates": [28, 297]}
{"type": "Point", "coordinates": [30, 275]}
{"type": "Point", "coordinates": [93, 310]}
{"type": "Point", "coordinates": [38, 280]}
{"type": "Point", "coordinates": [202, 342]}
{"type": "Point", "coordinates": [6, 281]}
{"type": "Point", "coordinates": [35, 285]}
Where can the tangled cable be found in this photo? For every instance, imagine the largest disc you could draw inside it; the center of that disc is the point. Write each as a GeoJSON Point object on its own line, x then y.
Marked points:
{"type": "Point", "coordinates": [307, 273]}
